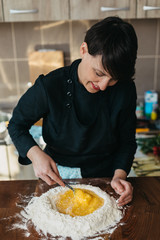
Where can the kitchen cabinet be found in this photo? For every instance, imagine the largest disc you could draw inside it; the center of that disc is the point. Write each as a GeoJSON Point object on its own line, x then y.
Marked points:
{"type": "Point", "coordinates": [35, 10]}
{"type": "Point", "coordinates": [148, 9]}
{"type": "Point", "coordinates": [1, 13]}
{"type": "Point", "coordinates": [52, 10]}
{"type": "Point", "coordinates": [93, 9]}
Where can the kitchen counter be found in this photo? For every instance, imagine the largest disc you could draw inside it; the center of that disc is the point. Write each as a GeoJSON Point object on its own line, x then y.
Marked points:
{"type": "Point", "coordinates": [141, 220]}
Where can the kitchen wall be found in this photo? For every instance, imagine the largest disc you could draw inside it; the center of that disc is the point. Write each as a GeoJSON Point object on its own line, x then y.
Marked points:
{"type": "Point", "coordinates": [17, 40]}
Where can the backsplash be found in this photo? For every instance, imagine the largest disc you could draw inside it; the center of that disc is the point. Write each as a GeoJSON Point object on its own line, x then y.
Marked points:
{"type": "Point", "coordinates": [17, 40]}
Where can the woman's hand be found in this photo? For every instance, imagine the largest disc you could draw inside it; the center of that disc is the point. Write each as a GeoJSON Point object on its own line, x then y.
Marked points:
{"type": "Point", "coordinates": [44, 166]}
{"type": "Point", "coordinates": [122, 187]}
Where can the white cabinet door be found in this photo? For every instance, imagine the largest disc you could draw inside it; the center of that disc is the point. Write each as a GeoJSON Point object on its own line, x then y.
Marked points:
{"type": "Point", "coordinates": [35, 10]}
{"type": "Point", "coordinates": [98, 9]}
{"type": "Point", "coordinates": [148, 8]}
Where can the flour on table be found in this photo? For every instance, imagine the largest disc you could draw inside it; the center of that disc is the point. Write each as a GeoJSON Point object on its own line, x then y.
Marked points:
{"type": "Point", "coordinates": [43, 213]}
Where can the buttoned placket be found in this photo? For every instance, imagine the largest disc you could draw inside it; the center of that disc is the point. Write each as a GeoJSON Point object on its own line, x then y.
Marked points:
{"type": "Point", "coordinates": [69, 93]}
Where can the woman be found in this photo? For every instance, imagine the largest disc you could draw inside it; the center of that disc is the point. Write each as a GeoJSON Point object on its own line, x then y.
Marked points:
{"type": "Point", "coordinates": [88, 111]}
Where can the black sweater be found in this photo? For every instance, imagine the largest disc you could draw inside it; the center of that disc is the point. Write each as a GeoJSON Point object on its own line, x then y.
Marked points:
{"type": "Point", "coordinates": [95, 132]}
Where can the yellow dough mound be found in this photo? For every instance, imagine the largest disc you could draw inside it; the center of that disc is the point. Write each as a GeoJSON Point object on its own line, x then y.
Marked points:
{"type": "Point", "coordinates": [80, 203]}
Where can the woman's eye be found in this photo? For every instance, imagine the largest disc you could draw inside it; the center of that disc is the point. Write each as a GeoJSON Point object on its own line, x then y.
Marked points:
{"type": "Point", "coordinates": [99, 75]}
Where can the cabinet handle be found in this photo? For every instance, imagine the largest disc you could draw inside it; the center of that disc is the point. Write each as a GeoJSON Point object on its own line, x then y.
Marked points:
{"type": "Point", "coordinates": [12, 11]}
{"type": "Point", "coordinates": [149, 8]}
{"type": "Point", "coordinates": [107, 9]}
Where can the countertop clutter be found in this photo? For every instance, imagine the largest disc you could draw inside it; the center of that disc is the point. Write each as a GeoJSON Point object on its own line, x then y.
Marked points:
{"type": "Point", "coordinates": [141, 220]}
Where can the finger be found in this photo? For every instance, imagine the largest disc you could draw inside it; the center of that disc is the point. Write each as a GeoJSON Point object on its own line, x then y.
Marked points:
{"type": "Point", "coordinates": [47, 179]}
{"type": "Point", "coordinates": [118, 188]}
{"type": "Point", "coordinates": [127, 185]}
{"type": "Point", "coordinates": [127, 200]}
{"type": "Point", "coordinates": [128, 189]}
{"type": "Point", "coordinates": [56, 178]}
{"type": "Point", "coordinates": [122, 199]}
{"type": "Point", "coordinates": [125, 195]}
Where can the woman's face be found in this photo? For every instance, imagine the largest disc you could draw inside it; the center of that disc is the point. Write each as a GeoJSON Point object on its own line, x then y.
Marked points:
{"type": "Point", "coordinates": [91, 72]}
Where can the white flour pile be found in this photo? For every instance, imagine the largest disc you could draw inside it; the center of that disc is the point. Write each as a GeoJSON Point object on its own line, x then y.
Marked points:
{"type": "Point", "coordinates": [45, 216]}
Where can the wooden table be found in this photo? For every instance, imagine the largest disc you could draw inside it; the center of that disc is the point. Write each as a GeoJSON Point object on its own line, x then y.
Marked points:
{"type": "Point", "coordinates": [141, 220]}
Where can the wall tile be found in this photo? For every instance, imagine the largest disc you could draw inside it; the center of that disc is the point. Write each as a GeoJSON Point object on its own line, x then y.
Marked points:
{"type": "Point", "coordinates": [24, 78]}
{"type": "Point", "coordinates": [67, 61]}
{"type": "Point", "coordinates": [55, 35]}
{"type": "Point", "coordinates": [27, 36]}
{"type": "Point", "coordinates": [146, 33]}
{"type": "Point", "coordinates": [8, 86]}
{"type": "Point", "coordinates": [144, 75]}
{"type": "Point", "coordinates": [158, 76]}
{"type": "Point", "coordinates": [159, 37]}
{"type": "Point", "coordinates": [66, 36]}
{"type": "Point", "coordinates": [6, 46]}
{"type": "Point", "coordinates": [78, 29]}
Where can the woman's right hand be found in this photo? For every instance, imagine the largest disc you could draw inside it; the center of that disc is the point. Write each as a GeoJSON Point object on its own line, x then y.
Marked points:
{"type": "Point", "coordinates": [44, 166]}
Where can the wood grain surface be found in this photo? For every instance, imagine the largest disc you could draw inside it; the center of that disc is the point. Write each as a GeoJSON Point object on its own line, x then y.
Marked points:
{"type": "Point", "coordinates": [140, 222]}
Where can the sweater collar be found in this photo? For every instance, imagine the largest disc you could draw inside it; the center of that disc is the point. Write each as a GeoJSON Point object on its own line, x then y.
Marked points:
{"type": "Point", "coordinates": [74, 67]}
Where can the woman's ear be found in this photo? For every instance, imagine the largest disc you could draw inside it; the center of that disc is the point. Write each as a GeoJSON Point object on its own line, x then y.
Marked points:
{"type": "Point", "coordinates": [83, 49]}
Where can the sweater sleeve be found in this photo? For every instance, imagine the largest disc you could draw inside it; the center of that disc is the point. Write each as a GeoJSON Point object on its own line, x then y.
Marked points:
{"type": "Point", "coordinates": [123, 157]}
{"type": "Point", "coordinates": [31, 107]}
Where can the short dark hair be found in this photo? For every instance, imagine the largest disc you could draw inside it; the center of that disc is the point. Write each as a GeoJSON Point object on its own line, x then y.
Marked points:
{"type": "Point", "coordinates": [116, 41]}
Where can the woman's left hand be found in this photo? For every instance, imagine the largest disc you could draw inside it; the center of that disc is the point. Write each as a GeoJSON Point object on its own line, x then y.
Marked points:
{"type": "Point", "coordinates": [124, 189]}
